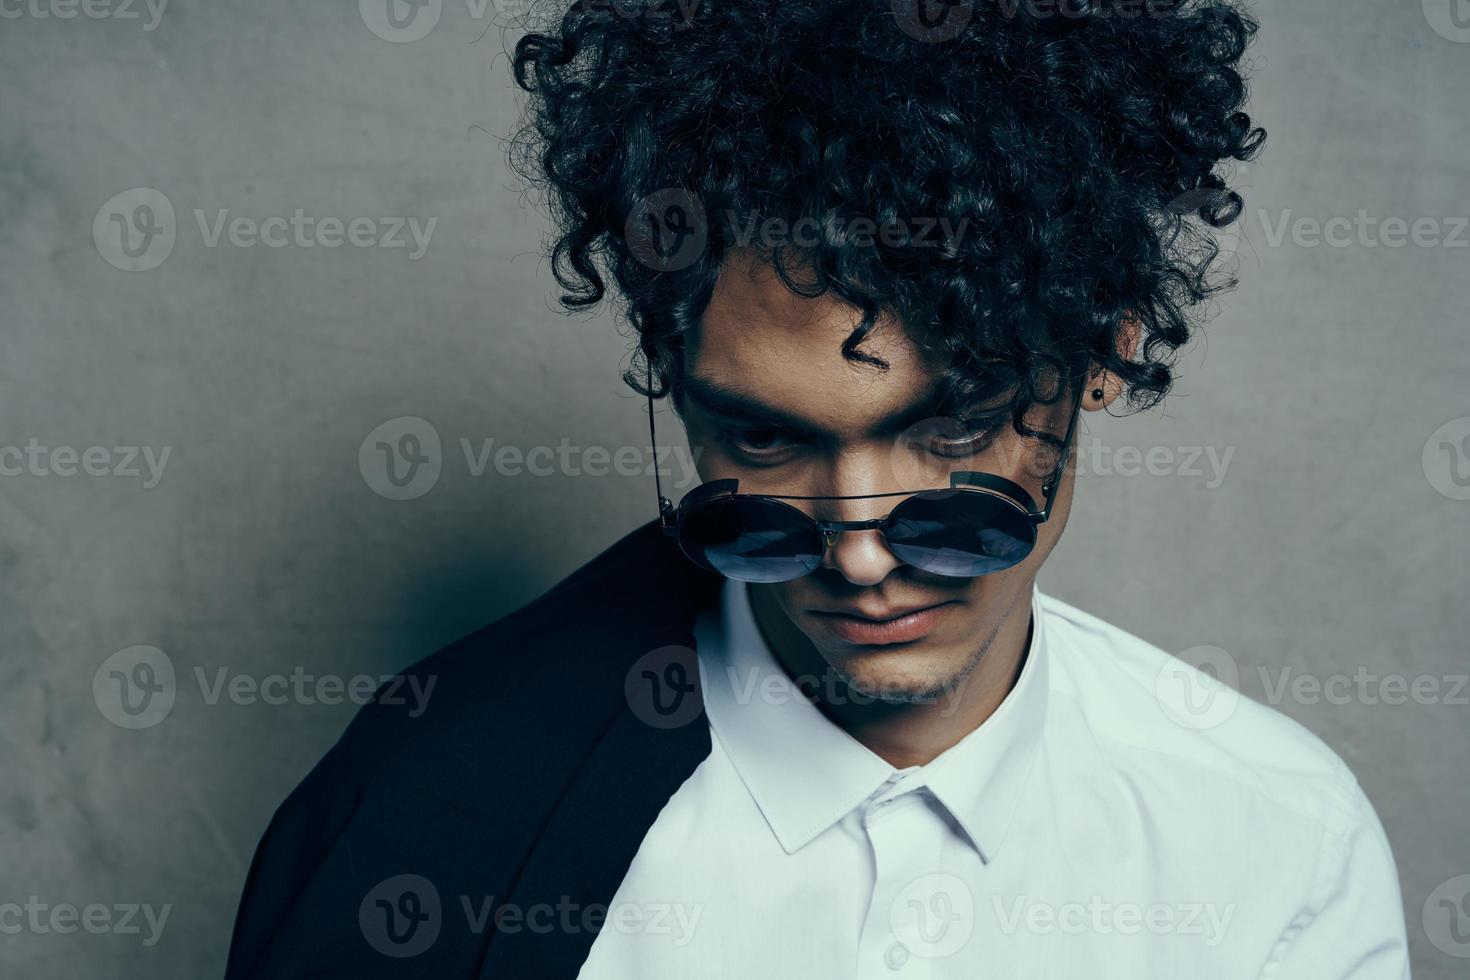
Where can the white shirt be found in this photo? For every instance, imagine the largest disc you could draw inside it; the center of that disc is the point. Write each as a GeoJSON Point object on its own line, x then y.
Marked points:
{"type": "Point", "coordinates": [1114, 817]}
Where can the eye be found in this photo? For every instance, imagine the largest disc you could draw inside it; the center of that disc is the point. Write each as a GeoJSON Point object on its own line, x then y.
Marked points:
{"type": "Point", "coordinates": [957, 438]}
{"type": "Point", "coordinates": [757, 445]}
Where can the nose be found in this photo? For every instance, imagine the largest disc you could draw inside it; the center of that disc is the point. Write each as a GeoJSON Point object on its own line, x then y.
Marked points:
{"type": "Point", "coordinates": [860, 556]}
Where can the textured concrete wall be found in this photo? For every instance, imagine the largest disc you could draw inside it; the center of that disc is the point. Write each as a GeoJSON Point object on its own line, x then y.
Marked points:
{"type": "Point", "coordinates": [1325, 538]}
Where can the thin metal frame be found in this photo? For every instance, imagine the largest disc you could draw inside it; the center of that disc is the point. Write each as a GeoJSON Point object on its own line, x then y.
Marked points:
{"type": "Point", "coordinates": [670, 516]}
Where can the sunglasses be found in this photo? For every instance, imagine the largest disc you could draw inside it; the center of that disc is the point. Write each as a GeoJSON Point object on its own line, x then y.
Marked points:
{"type": "Point", "coordinates": [981, 523]}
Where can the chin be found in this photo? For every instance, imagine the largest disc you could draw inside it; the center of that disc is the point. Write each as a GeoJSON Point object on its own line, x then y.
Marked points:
{"type": "Point", "coordinates": [900, 676]}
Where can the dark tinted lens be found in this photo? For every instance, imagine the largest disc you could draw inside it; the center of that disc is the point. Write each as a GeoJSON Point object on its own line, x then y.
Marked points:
{"type": "Point", "coordinates": [751, 540]}
{"type": "Point", "coordinates": [960, 532]}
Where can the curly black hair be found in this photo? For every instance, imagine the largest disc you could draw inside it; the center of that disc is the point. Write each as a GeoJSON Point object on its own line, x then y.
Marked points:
{"type": "Point", "coordinates": [1073, 142]}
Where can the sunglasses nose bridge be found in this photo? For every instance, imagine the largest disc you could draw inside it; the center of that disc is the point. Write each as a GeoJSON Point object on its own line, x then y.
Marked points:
{"type": "Point", "coordinates": [832, 530]}
{"type": "Point", "coordinates": [863, 558]}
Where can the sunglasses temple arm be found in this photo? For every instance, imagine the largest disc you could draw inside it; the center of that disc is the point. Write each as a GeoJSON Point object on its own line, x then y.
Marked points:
{"type": "Point", "coordinates": [1055, 480]}
{"type": "Point", "coordinates": [665, 505]}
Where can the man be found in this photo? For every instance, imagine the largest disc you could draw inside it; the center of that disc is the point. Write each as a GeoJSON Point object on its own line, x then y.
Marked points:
{"type": "Point", "coordinates": [817, 720]}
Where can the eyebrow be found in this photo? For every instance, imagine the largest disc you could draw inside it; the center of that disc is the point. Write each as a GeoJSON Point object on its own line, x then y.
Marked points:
{"type": "Point", "coordinates": [731, 403]}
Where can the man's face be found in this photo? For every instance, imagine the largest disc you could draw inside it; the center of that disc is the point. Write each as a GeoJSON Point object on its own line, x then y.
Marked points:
{"type": "Point", "coordinates": [769, 399]}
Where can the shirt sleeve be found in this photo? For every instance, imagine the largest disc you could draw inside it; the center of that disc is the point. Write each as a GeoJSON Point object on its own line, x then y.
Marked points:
{"type": "Point", "coordinates": [1351, 926]}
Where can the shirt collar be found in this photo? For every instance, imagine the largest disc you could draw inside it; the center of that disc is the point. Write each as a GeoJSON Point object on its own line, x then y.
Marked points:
{"type": "Point", "coordinates": [805, 773]}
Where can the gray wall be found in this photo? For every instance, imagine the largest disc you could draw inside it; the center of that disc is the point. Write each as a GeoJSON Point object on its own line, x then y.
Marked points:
{"type": "Point", "coordinates": [1334, 544]}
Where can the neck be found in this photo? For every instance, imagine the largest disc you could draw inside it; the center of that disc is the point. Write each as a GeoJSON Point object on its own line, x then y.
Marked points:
{"type": "Point", "coordinates": [907, 733]}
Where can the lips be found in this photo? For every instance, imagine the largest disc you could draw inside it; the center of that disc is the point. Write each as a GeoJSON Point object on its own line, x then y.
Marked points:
{"type": "Point", "coordinates": [868, 629]}
{"type": "Point", "coordinates": [880, 616]}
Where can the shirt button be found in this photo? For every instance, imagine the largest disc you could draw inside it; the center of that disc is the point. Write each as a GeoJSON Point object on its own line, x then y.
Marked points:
{"type": "Point", "coordinates": [896, 956]}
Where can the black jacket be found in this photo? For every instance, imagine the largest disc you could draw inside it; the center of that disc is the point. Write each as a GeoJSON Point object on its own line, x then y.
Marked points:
{"type": "Point", "coordinates": [529, 781]}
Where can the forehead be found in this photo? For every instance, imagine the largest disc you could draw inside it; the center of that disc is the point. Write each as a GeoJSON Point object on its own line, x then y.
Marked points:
{"type": "Point", "coordinates": [764, 340]}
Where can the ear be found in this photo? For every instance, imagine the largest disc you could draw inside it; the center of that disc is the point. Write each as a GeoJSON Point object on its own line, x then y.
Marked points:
{"type": "Point", "coordinates": [1108, 382]}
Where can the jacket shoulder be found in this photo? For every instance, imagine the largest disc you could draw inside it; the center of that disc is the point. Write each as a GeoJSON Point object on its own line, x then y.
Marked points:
{"type": "Point", "coordinates": [525, 674]}
{"type": "Point", "coordinates": [518, 703]}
